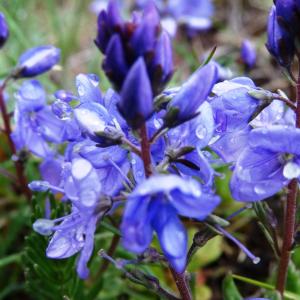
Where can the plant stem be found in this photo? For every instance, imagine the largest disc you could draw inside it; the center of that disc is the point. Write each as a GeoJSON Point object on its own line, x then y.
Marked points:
{"type": "Point", "coordinates": [7, 129]}
{"type": "Point", "coordinates": [290, 216]}
{"type": "Point", "coordinates": [179, 279]}
{"type": "Point", "coordinates": [145, 145]}
{"type": "Point", "coordinates": [182, 285]}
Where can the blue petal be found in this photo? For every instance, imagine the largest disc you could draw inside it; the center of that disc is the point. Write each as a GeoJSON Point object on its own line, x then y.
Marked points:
{"type": "Point", "coordinates": [88, 89]}
{"type": "Point", "coordinates": [87, 249]}
{"type": "Point", "coordinates": [171, 233]}
{"type": "Point", "coordinates": [31, 96]}
{"type": "Point", "coordinates": [230, 145]}
{"type": "Point", "coordinates": [278, 138]}
{"type": "Point", "coordinates": [38, 60]}
{"type": "Point", "coordinates": [136, 225]}
{"type": "Point", "coordinates": [258, 174]}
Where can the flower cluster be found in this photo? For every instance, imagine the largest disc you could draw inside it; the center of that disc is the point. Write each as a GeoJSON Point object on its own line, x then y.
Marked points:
{"type": "Point", "coordinates": [147, 148]}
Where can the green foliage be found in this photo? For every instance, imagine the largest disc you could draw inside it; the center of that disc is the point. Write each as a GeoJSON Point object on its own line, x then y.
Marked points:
{"type": "Point", "coordinates": [230, 291]}
{"type": "Point", "coordinates": [57, 278]}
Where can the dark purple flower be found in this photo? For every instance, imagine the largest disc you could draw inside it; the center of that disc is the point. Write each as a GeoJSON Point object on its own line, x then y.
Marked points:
{"type": "Point", "coordinates": [38, 60]}
{"type": "Point", "coordinates": [124, 43]}
{"type": "Point", "coordinates": [155, 205]}
{"type": "Point", "coordinates": [248, 54]}
{"type": "Point", "coordinates": [4, 31]}
{"type": "Point", "coordinates": [136, 102]}
{"type": "Point", "coordinates": [288, 16]}
{"type": "Point", "coordinates": [185, 104]}
{"type": "Point", "coordinates": [115, 60]}
{"type": "Point", "coordinates": [280, 42]}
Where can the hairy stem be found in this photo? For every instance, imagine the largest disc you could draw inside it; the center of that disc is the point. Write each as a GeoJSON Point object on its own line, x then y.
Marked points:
{"type": "Point", "coordinates": [290, 217]}
{"type": "Point", "coordinates": [179, 279]}
{"type": "Point", "coordinates": [145, 145]}
{"type": "Point", "coordinates": [182, 285]}
{"type": "Point", "coordinates": [7, 129]}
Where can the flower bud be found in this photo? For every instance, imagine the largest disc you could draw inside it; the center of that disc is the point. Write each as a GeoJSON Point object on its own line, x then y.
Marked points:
{"type": "Point", "coordinates": [4, 31]}
{"type": "Point", "coordinates": [39, 186]}
{"type": "Point", "coordinates": [184, 106]}
{"type": "Point", "coordinates": [37, 60]}
{"type": "Point", "coordinates": [136, 104]}
{"type": "Point", "coordinates": [280, 43]}
{"type": "Point", "coordinates": [43, 226]}
{"type": "Point", "coordinates": [248, 54]}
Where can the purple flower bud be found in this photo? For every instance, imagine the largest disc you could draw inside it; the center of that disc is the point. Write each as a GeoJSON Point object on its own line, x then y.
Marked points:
{"type": "Point", "coordinates": [248, 54]}
{"type": "Point", "coordinates": [43, 226]}
{"type": "Point", "coordinates": [115, 65]}
{"type": "Point", "coordinates": [103, 33]}
{"type": "Point", "coordinates": [39, 186]}
{"type": "Point", "coordinates": [162, 64]}
{"type": "Point", "coordinates": [143, 39]}
{"type": "Point", "coordinates": [193, 93]}
{"type": "Point", "coordinates": [288, 13]}
{"type": "Point", "coordinates": [37, 60]}
{"type": "Point", "coordinates": [4, 31]}
{"type": "Point", "coordinates": [136, 104]}
{"type": "Point", "coordinates": [280, 43]}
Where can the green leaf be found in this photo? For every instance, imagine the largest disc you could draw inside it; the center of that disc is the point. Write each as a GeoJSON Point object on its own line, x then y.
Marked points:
{"type": "Point", "coordinates": [230, 291]}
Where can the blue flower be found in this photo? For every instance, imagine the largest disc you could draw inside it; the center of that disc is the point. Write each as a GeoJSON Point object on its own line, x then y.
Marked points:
{"type": "Point", "coordinates": [36, 125]}
{"type": "Point", "coordinates": [233, 109]}
{"type": "Point", "coordinates": [74, 234]}
{"type": "Point", "coordinates": [155, 205]}
{"type": "Point", "coordinates": [37, 60]}
{"type": "Point", "coordinates": [268, 164]}
{"type": "Point", "coordinates": [4, 31]}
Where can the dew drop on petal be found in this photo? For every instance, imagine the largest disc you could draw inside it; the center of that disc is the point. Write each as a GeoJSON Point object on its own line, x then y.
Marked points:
{"type": "Point", "coordinates": [259, 190]}
{"type": "Point", "coordinates": [201, 131]}
{"type": "Point", "coordinates": [291, 170]}
{"type": "Point", "coordinates": [94, 79]}
{"type": "Point", "coordinates": [81, 90]}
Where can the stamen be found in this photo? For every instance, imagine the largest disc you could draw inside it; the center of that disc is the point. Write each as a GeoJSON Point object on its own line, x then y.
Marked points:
{"type": "Point", "coordinates": [255, 259]}
{"type": "Point", "coordinates": [121, 172]}
{"type": "Point", "coordinates": [242, 209]}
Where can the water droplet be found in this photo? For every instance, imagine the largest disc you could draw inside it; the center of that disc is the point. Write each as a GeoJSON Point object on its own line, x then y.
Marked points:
{"type": "Point", "coordinates": [81, 90]}
{"type": "Point", "coordinates": [139, 173]}
{"type": "Point", "coordinates": [201, 131]}
{"type": "Point", "coordinates": [94, 79]}
{"type": "Point", "coordinates": [133, 161]}
{"type": "Point", "coordinates": [156, 123]}
{"type": "Point", "coordinates": [259, 190]}
{"type": "Point", "coordinates": [291, 170]}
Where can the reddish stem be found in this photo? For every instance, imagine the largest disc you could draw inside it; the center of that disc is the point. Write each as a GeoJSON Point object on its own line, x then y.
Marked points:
{"type": "Point", "coordinates": [179, 278]}
{"type": "Point", "coordinates": [18, 165]}
{"type": "Point", "coordinates": [145, 145]}
{"type": "Point", "coordinates": [290, 217]}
